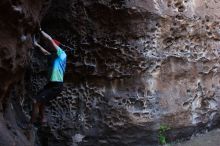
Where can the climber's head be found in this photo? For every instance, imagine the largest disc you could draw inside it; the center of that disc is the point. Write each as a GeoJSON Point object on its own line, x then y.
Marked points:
{"type": "Point", "coordinates": [49, 46]}
{"type": "Point", "coordinates": [56, 42]}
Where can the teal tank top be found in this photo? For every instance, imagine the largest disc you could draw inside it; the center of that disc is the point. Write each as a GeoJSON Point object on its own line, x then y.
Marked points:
{"type": "Point", "coordinates": [58, 66]}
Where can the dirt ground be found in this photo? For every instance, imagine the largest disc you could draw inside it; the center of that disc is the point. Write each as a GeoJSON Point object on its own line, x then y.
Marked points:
{"type": "Point", "coordinates": [209, 139]}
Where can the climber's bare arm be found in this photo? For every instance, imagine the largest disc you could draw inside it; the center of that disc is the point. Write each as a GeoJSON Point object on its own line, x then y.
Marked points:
{"type": "Point", "coordinates": [49, 39]}
{"type": "Point", "coordinates": [41, 48]}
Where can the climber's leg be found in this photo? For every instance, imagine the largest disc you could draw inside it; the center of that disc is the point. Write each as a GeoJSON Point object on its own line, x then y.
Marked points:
{"type": "Point", "coordinates": [50, 91]}
{"type": "Point", "coordinates": [41, 113]}
{"type": "Point", "coordinates": [38, 101]}
{"type": "Point", "coordinates": [35, 109]}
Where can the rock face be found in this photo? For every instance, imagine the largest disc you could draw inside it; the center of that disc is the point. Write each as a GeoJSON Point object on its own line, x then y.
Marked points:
{"type": "Point", "coordinates": [137, 65]}
{"type": "Point", "coordinates": [18, 21]}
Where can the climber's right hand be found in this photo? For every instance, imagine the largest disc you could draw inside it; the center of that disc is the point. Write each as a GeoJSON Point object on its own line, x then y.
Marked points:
{"type": "Point", "coordinates": [34, 40]}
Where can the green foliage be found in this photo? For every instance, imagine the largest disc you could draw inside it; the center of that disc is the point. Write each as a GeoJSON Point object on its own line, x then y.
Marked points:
{"type": "Point", "coordinates": [162, 134]}
{"type": "Point", "coordinates": [162, 139]}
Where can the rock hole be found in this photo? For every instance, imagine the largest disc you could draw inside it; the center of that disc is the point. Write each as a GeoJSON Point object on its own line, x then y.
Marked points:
{"type": "Point", "coordinates": [124, 101]}
{"type": "Point", "coordinates": [207, 19]}
{"type": "Point", "coordinates": [179, 17]}
{"type": "Point", "coordinates": [137, 114]}
{"type": "Point", "coordinates": [181, 9]}
{"type": "Point", "coordinates": [132, 100]}
{"type": "Point", "coordinates": [149, 93]}
{"type": "Point", "coordinates": [16, 2]}
{"type": "Point", "coordinates": [141, 92]}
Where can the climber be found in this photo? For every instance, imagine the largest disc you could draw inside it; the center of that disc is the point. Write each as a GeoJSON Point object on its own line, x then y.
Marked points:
{"type": "Point", "coordinates": [57, 65]}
